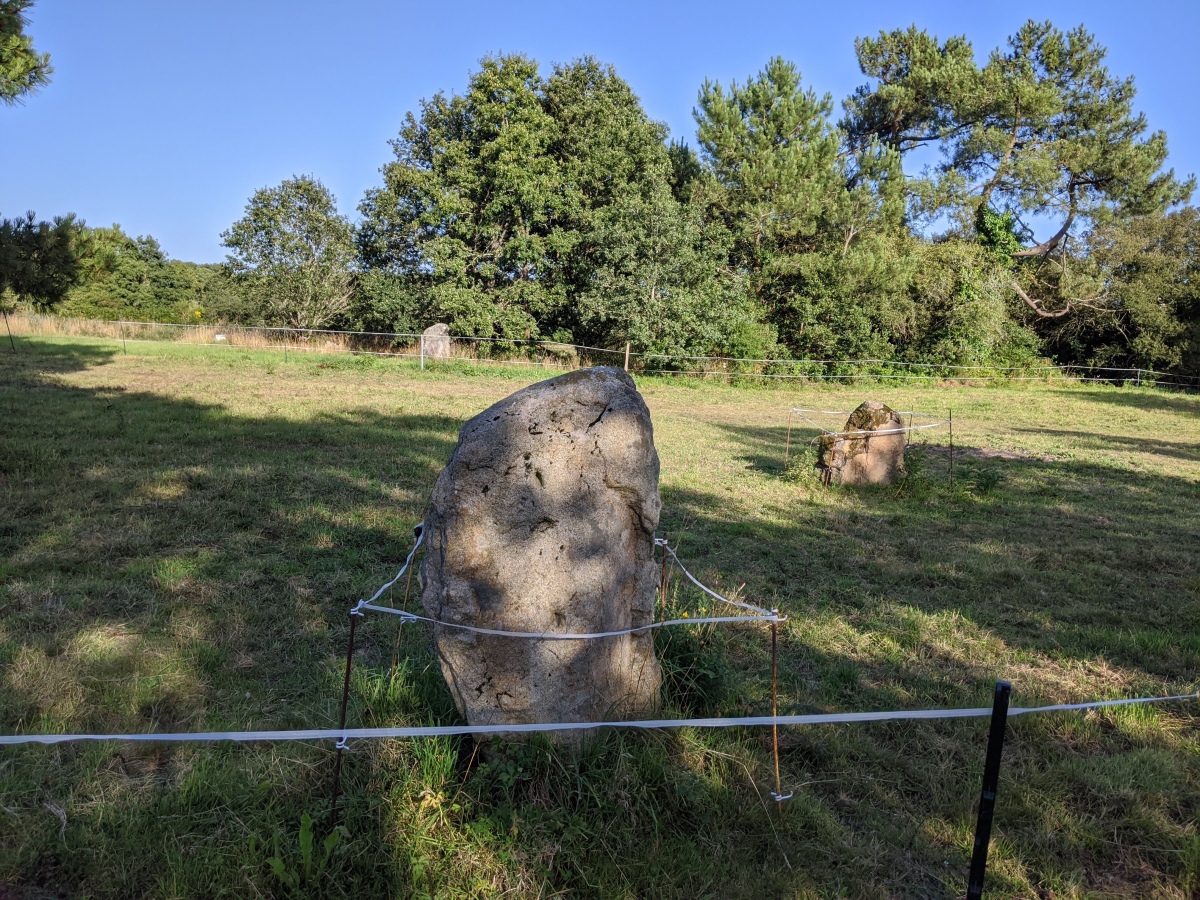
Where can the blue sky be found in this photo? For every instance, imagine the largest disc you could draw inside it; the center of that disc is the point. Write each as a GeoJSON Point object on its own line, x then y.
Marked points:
{"type": "Point", "coordinates": [165, 117]}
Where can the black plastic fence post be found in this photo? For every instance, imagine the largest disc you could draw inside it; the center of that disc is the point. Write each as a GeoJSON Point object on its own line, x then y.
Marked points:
{"type": "Point", "coordinates": [987, 798]}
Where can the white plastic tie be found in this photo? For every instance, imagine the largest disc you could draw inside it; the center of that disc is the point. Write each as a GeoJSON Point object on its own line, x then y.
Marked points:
{"type": "Point", "coordinates": [419, 531]}
{"type": "Point", "coordinates": [764, 614]}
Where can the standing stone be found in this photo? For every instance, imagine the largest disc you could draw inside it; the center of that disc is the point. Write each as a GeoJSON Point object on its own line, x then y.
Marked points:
{"type": "Point", "coordinates": [436, 342]}
{"type": "Point", "coordinates": [543, 521]}
{"type": "Point", "coordinates": [865, 458]}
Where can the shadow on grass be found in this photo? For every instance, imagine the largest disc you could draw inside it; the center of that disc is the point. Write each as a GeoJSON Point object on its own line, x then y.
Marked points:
{"type": "Point", "coordinates": [1071, 579]}
{"type": "Point", "coordinates": [1067, 557]}
{"type": "Point", "coordinates": [1167, 401]}
{"type": "Point", "coordinates": [168, 565]}
{"type": "Point", "coordinates": [1149, 443]}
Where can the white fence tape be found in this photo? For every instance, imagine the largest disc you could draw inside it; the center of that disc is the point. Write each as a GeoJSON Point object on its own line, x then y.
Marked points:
{"type": "Point", "coordinates": [419, 531]}
{"type": "Point", "coordinates": [566, 635]}
{"type": "Point", "coordinates": [770, 615]}
{"type": "Point", "coordinates": [761, 615]}
{"type": "Point", "coordinates": [334, 734]}
{"type": "Point", "coordinates": [860, 433]}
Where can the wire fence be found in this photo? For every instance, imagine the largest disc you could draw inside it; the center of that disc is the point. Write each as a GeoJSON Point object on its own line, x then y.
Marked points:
{"type": "Point", "coordinates": [449, 350]}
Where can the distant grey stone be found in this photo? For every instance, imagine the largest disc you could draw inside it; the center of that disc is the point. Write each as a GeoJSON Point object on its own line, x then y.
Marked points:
{"type": "Point", "coordinates": [865, 458]}
{"type": "Point", "coordinates": [436, 343]}
{"type": "Point", "coordinates": [543, 521]}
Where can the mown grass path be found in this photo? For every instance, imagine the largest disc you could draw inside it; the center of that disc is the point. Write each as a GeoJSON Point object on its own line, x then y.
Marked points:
{"type": "Point", "coordinates": [183, 530]}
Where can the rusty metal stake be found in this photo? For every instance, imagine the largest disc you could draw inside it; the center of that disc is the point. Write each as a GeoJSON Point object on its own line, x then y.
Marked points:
{"type": "Point", "coordinates": [662, 578]}
{"type": "Point", "coordinates": [787, 447]}
{"type": "Point", "coordinates": [775, 707]}
{"type": "Point", "coordinates": [951, 448]}
{"type": "Point", "coordinates": [341, 744]}
{"type": "Point", "coordinates": [400, 630]}
{"type": "Point", "coordinates": [9, 329]}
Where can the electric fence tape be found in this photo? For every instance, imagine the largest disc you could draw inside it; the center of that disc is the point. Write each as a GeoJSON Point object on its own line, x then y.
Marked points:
{"type": "Point", "coordinates": [860, 433]}
{"type": "Point", "coordinates": [342, 735]}
{"type": "Point", "coordinates": [335, 734]}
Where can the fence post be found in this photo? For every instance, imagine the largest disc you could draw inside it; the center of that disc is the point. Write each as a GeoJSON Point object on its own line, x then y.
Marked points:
{"type": "Point", "coordinates": [627, 356]}
{"type": "Point", "coordinates": [422, 353]}
{"type": "Point", "coordinates": [341, 744]}
{"type": "Point", "coordinates": [951, 421]}
{"type": "Point", "coordinates": [787, 447]}
{"type": "Point", "coordinates": [987, 797]}
{"type": "Point", "coordinates": [121, 329]}
{"type": "Point", "coordinates": [9, 329]}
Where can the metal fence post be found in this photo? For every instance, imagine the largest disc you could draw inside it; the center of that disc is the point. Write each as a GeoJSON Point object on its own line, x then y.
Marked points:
{"type": "Point", "coordinates": [422, 353]}
{"type": "Point", "coordinates": [951, 421]}
{"type": "Point", "coordinates": [9, 329]}
{"type": "Point", "coordinates": [987, 797]}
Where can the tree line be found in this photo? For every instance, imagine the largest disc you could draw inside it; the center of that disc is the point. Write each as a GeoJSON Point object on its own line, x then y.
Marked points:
{"type": "Point", "coordinates": [548, 205]}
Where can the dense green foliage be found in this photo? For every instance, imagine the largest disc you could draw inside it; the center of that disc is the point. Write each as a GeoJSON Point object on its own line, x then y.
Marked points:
{"type": "Point", "coordinates": [103, 273]}
{"type": "Point", "coordinates": [812, 226]}
{"type": "Point", "coordinates": [542, 205]}
{"type": "Point", "coordinates": [132, 279]}
{"type": "Point", "coordinates": [22, 69]}
{"type": "Point", "coordinates": [548, 206]}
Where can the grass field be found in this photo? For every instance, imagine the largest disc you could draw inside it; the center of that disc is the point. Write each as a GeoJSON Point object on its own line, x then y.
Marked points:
{"type": "Point", "coordinates": [182, 531]}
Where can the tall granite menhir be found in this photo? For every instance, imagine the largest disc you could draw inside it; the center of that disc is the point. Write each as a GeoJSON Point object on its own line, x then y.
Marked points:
{"type": "Point", "coordinates": [543, 521]}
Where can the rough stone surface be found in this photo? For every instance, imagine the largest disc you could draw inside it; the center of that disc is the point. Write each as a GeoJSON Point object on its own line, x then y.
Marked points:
{"type": "Point", "coordinates": [437, 343]}
{"type": "Point", "coordinates": [543, 521]}
{"type": "Point", "coordinates": [865, 459]}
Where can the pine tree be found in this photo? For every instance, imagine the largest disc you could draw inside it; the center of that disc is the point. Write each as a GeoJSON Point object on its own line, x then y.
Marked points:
{"type": "Point", "coordinates": [22, 69]}
{"type": "Point", "coordinates": [1041, 132]}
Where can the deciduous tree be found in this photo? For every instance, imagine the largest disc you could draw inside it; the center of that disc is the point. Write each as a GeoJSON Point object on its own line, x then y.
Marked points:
{"type": "Point", "coordinates": [516, 209]}
{"type": "Point", "coordinates": [295, 253]}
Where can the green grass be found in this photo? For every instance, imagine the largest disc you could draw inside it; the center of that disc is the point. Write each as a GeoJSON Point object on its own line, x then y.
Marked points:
{"type": "Point", "coordinates": [182, 531]}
